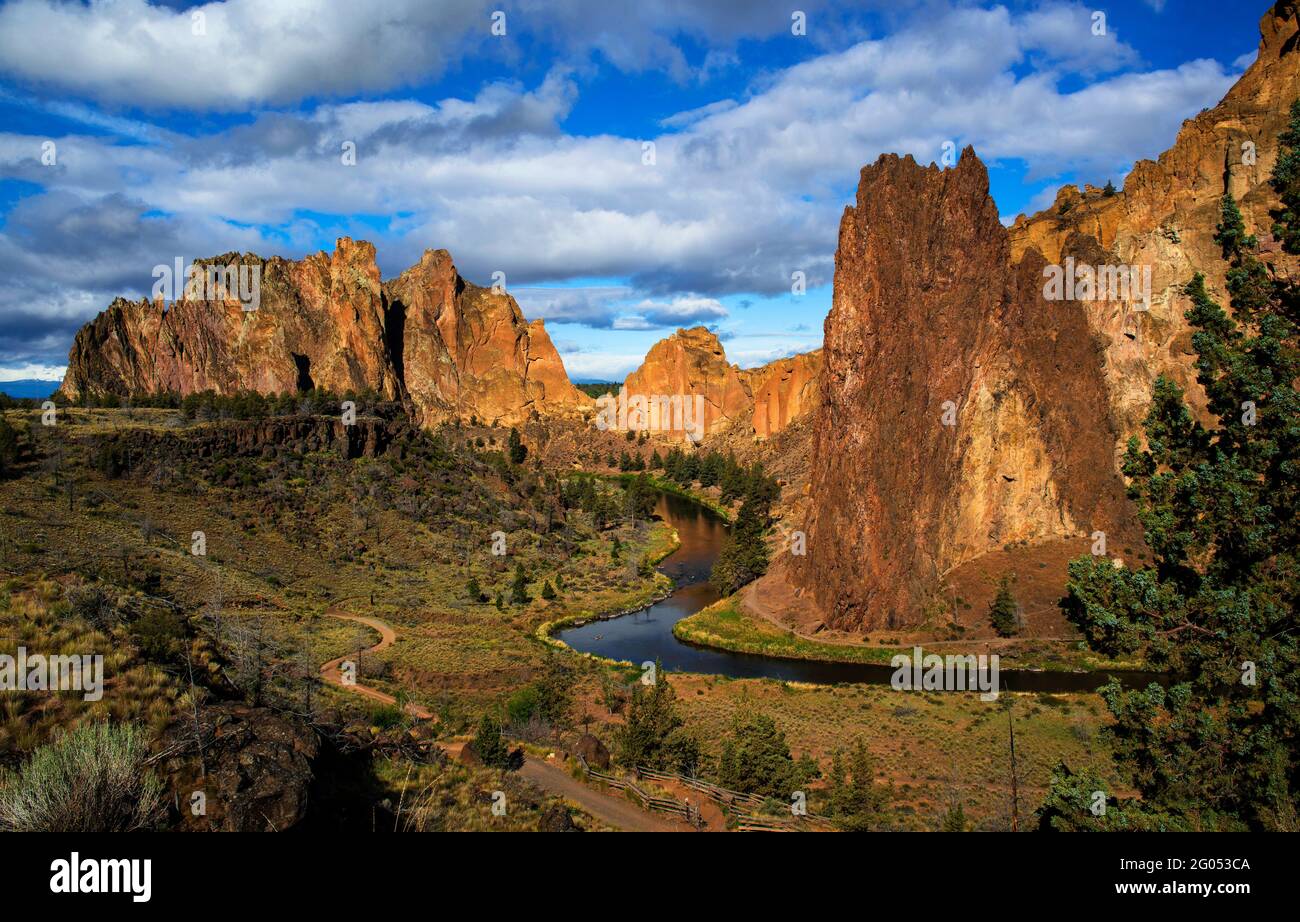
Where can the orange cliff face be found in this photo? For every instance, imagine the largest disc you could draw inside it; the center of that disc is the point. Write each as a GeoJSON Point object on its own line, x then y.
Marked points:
{"type": "Point", "coordinates": [448, 347]}
{"type": "Point", "coordinates": [938, 309]}
{"type": "Point", "coordinates": [783, 391]}
{"type": "Point", "coordinates": [319, 321]}
{"type": "Point", "coordinates": [960, 410]}
{"type": "Point", "coordinates": [468, 350]}
{"type": "Point", "coordinates": [693, 363]}
{"type": "Point", "coordinates": [1165, 217]}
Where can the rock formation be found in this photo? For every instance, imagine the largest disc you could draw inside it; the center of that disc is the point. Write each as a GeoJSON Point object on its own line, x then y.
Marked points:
{"type": "Point", "coordinates": [960, 409]}
{"type": "Point", "coordinates": [1166, 214]}
{"type": "Point", "coordinates": [783, 391]}
{"type": "Point", "coordinates": [939, 315]}
{"type": "Point", "coordinates": [692, 362]}
{"type": "Point", "coordinates": [468, 350]}
{"type": "Point", "coordinates": [449, 348]}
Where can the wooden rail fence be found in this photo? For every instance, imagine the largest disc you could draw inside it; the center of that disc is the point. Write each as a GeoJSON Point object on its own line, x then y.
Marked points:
{"type": "Point", "coordinates": [737, 801]}
{"type": "Point", "coordinates": [644, 798]}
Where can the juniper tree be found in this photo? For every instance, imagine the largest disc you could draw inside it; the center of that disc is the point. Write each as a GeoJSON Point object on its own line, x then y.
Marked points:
{"type": "Point", "coordinates": [1216, 609]}
{"type": "Point", "coordinates": [1002, 610]}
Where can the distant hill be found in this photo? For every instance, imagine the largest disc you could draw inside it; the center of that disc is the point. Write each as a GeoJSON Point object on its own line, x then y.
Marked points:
{"type": "Point", "coordinates": [29, 387]}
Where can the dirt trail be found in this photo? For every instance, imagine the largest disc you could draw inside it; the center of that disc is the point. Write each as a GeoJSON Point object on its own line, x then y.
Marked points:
{"type": "Point", "coordinates": [333, 674]}
{"type": "Point", "coordinates": [613, 811]}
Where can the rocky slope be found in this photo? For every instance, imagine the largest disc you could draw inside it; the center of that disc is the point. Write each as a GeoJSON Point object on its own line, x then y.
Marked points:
{"type": "Point", "coordinates": [448, 348]}
{"type": "Point", "coordinates": [757, 401]}
{"type": "Point", "coordinates": [1165, 217]}
{"type": "Point", "coordinates": [783, 391]}
{"type": "Point", "coordinates": [937, 306]}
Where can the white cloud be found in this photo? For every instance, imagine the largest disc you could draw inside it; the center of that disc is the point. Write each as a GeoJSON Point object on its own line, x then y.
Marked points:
{"type": "Point", "coordinates": [31, 371]}
{"type": "Point", "coordinates": [743, 191]}
{"type": "Point", "coordinates": [254, 52]}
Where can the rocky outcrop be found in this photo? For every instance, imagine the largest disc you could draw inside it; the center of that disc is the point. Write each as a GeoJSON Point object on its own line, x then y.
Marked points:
{"type": "Point", "coordinates": [960, 409]}
{"type": "Point", "coordinates": [761, 401]}
{"type": "Point", "coordinates": [254, 773]}
{"type": "Point", "coordinates": [448, 348]}
{"type": "Point", "coordinates": [1165, 215]}
{"type": "Point", "coordinates": [783, 391]}
{"type": "Point", "coordinates": [692, 363]}
{"type": "Point", "coordinates": [467, 351]}
{"type": "Point", "coordinates": [939, 316]}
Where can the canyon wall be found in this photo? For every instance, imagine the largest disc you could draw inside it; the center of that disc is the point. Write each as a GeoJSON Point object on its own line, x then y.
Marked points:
{"type": "Point", "coordinates": [961, 410]}
{"type": "Point", "coordinates": [760, 401]}
{"type": "Point", "coordinates": [447, 348]}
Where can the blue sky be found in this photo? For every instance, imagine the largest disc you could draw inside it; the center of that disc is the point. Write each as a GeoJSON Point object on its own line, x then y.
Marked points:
{"type": "Point", "coordinates": [190, 130]}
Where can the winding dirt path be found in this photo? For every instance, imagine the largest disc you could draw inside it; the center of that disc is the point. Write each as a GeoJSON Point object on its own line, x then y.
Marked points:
{"type": "Point", "coordinates": [332, 672]}
{"type": "Point", "coordinates": [613, 811]}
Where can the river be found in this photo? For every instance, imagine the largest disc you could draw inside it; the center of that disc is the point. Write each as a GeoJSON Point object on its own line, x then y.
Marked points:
{"type": "Point", "coordinates": [647, 635]}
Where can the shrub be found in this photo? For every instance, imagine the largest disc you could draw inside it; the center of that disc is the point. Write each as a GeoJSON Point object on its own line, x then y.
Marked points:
{"type": "Point", "coordinates": [90, 779]}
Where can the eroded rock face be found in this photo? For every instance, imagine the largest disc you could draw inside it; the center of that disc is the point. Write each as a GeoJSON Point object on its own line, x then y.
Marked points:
{"type": "Point", "coordinates": [690, 363]}
{"type": "Point", "coordinates": [468, 350]}
{"type": "Point", "coordinates": [448, 348]}
{"type": "Point", "coordinates": [931, 323]}
{"type": "Point", "coordinates": [320, 322]}
{"type": "Point", "coordinates": [783, 391]}
{"type": "Point", "coordinates": [934, 301]}
{"type": "Point", "coordinates": [1165, 218]}
{"type": "Point", "coordinates": [764, 399]}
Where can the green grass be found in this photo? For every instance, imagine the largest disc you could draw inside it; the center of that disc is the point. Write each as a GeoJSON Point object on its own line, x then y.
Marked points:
{"type": "Point", "coordinates": [723, 625]}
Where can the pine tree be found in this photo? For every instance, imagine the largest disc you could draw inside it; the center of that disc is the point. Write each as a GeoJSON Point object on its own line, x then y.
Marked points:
{"type": "Point", "coordinates": [1286, 183]}
{"type": "Point", "coordinates": [1109, 190]}
{"type": "Point", "coordinates": [548, 591]}
{"type": "Point", "coordinates": [519, 589]}
{"type": "Point", "coordinates": [855, 802]}
{"type": "Point", "coordinates": [1002, 610]}
{"type": "Point", "coordinates": [517, 449]}
{"type": "Point", "coordinates": [743, 556]}
{"type": "Point", "coordinates": [653, 735]}
{"type": "Point", "coordinates": [474, 591]}
{"type": "Point", "coordinates": [1216, 608]}
{"type": "Point", "coordinates": [488, 745]}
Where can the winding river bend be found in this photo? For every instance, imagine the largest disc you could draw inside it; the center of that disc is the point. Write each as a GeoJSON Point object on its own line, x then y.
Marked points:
{"type": "Point", "coordinates": [648, 634]}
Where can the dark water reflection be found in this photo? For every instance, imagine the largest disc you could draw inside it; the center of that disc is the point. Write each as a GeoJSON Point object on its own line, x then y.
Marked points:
{"type": "Point", "coordinates": [647, 635]}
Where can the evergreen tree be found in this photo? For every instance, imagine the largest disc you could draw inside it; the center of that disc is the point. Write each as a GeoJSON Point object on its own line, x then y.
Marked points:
{"type": "Point", "coordinates": [1108, 192]}
{"type": "Point", "coordinates": [518, 451]}
{"type": "Point", "coordinates": [8, 446]}
{"type": "Point", "coordinates": [555, 694]}
{"type": "Point", "coordinates": [488, 744]}
{"type": "Point", "coordinates": [1216, 609]}
{"type": "Point", "coordinates": [1003, 608]}
{"type": "Point", "coordinates": [519, 589]}
{"type": "Point", "coordinates": [743, 556]}
{"type": "Point", "coordinates": [756, 759]}
{"type": "Point", "coordinates": [474, 591]}
{"type": "Point", "coordinates": [954, 818]}
{"type": "Point", "coordinates": [548, 591]}
{"type": "Point", "coordinates": [1286, 183]}
{"type": "Point", "coordinates": [653, 735]}
{"type": "Point", "coordinates": [854, 801]}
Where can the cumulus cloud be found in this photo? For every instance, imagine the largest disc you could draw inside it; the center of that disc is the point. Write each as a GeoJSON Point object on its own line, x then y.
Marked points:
{"type": "Point", "coordinates": [742, 192]}
{"type": "Point", "coordinates": [226, 56]}
{"type": "Point", "coordinates": [683, 311]}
